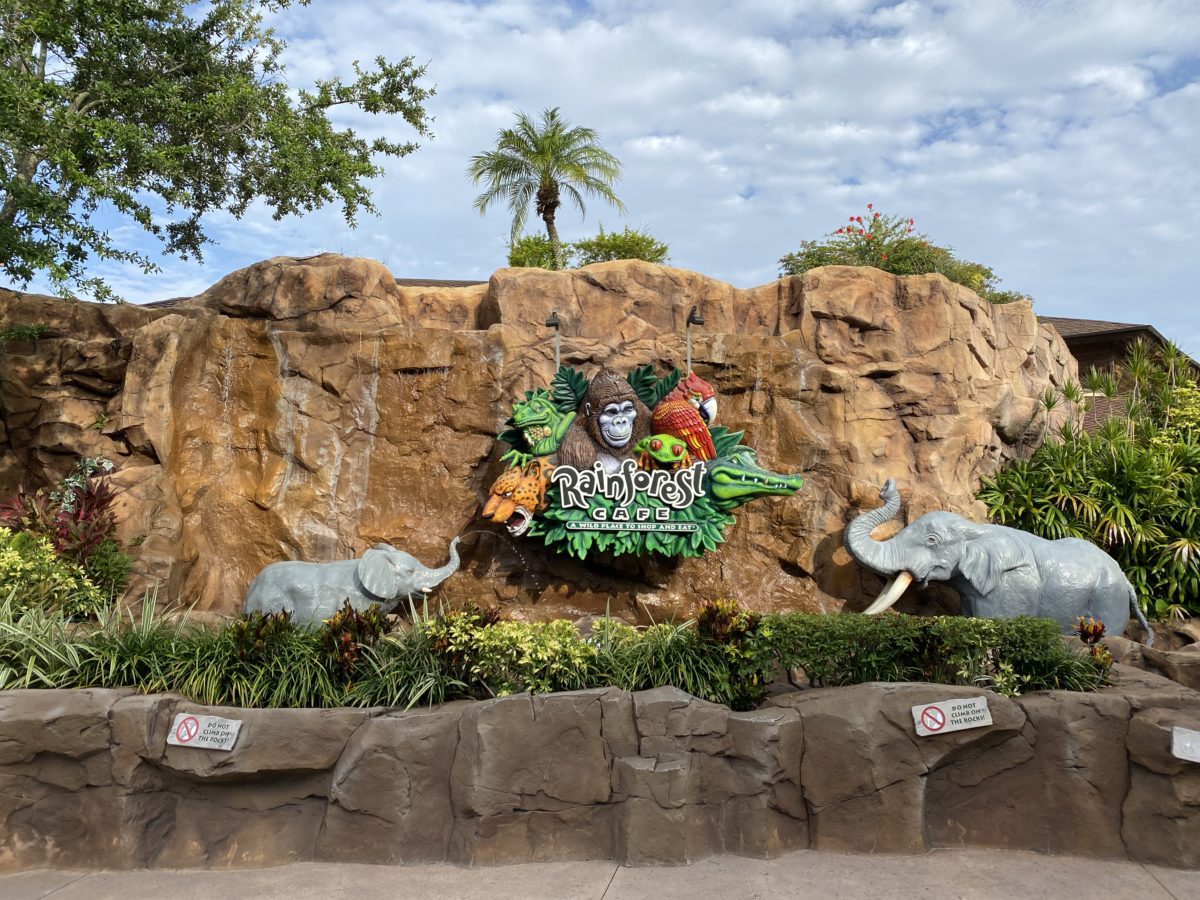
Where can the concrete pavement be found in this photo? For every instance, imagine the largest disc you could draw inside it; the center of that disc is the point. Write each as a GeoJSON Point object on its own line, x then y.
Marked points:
{"type": "Point", "coordinates": [982, 874]}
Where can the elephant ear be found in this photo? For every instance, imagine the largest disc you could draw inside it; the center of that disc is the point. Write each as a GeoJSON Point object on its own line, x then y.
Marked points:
{"type": "Point", "coordinates": [376, 574]}
{"type": "Point", "coordinates": [985, 559]}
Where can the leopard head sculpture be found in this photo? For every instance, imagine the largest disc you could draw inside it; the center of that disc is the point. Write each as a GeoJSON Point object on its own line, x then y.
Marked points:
{"type": "Point", "coordinates": [517, 495]}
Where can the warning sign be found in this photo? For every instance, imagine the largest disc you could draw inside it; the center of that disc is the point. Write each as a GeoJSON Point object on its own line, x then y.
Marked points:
{"type": "Point", "coordinates": [951, 715]}
{"type": "Point", "coordinates": [1185, 744]}
{"type": "Point", "coordinates": [205, 732]}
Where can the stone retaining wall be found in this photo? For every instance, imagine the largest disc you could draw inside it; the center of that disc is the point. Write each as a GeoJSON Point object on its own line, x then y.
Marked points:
{"type": "Point", "coordinates": [87, 780]}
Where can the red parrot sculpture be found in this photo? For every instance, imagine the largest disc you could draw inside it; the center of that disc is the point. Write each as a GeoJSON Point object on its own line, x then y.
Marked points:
{"type": "Point", "coordinates": [686, 413]}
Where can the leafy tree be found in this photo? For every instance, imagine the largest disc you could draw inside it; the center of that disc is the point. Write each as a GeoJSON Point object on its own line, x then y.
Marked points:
{"type": "Point", "coordinates": [538, 162]}
{"type": "Point", "coordinates": [166, 111]}
{"type": "Point", "coordinates": [892, 243]}
{"type": "Point", "coordinates": [627, 244]}
{"type": "Point", "coordinates": [534, 251]}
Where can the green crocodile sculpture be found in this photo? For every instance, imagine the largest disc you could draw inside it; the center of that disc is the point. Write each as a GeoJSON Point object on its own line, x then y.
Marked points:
{"type": "Point", "coordinates": [738, 478]}
{"type": "Point", "coordinates": [541, 423]}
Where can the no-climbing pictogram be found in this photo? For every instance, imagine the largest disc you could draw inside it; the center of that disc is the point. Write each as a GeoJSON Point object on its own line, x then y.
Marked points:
{"type": "Point", "coordinates": [933, 718]}
{"type": "Point", "coordinates": [187, 729]}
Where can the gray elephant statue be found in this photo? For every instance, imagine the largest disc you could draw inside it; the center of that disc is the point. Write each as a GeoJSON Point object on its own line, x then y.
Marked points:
{"type": "Point", "coordinates": [314, 591]}
{"type": "Point", "coordinates": [999, 572]}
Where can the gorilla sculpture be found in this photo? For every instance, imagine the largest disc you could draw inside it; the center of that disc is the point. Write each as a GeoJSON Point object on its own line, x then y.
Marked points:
{"type": "Point", "coordinates": [612, 420]}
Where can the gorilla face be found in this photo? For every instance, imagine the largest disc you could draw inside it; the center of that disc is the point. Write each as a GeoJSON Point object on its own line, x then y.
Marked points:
{"type": "Point", "coordinates": [616, 423]}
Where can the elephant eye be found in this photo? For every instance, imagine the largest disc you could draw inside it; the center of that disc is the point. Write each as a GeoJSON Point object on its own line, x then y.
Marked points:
{"type": "Point", "coordinates": [932, 540]}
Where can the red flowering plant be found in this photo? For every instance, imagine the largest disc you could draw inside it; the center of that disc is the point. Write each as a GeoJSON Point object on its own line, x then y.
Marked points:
{"type": "Point", "coordinates": [893, 244]}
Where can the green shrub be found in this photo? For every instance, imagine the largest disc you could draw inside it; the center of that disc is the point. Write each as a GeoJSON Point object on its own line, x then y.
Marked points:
{"type": "Point", "coordinates": [534, 250]}
{"type": "Point", "coordinates": [660, 655]}
{"type": "Point", "coordinates": [36, 647]}
{"type": "Point", "coordinates": [348, 632]}
{"type": "Point", "coordinates": [227, 667]}
{"type": "Point", "coordinates": [404, 670]}
{"type": "Point", "coordinates": [22, 333]}
{"type": "Point", "coordinates": [1010, 656]}
{"type": "Point", "coordinates": [728, 656]}
{"type": "Point", "coordinates": [35, 576]}
{"type": "Point", "coordinates": [77, 519]}
{"type": "Point", "coordinates": [891, 243]}
{"type": "Point", "coordinates": [108, 568]}
{"type": "Point", "coordinates": [628, 244]}
{"type": "Point", "coordinates": [1132, 488]}
{"type": "Point", "coordinates": [498, 658]}
{"type": "Point", "coordinates": [129, 651]}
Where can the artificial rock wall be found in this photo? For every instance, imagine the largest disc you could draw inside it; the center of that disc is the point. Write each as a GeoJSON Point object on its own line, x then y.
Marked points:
{"type": "Point", "coordinates": [87, 780]}
{"type": "Point", "coordinates": [309, 408]}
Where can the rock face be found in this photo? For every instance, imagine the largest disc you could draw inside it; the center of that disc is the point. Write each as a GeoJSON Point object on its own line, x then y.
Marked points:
{"type": "Point", "coordinates": [87, 780]}
{"type": "Point", "coordinates": [309, 408]}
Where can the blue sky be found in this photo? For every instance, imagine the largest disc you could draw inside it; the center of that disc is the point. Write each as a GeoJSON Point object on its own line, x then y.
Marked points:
{"type": "Point", "coordinates": [1055, 142]}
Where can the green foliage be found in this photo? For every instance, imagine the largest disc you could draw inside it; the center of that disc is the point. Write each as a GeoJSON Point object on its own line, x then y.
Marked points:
{"type": "Point", "coordinates": [1132, 488]}
{"type": "Point", "coordinates": [534, 251]}
{"type": "Point", "coordinates": [649, 388]}
{"type": "Point", "coordinates": [663, 654]}
{"type": "Point", "coordinates": [568, 388]}
{"type": "Point", "coordinates": [404, 670]}
{"type": "Point", "coordinates": [22, 333]}
{"type": "Point", "coordinates": [727, 656]}
{"type": "Point", "coordinates": [892, 243]}
{"type": "Point", "coordinates": [1010, 656]}
{"type": "Point", "coordinates": [78, 522]}
{"type": "Point", "coordinates": [108, 568]}
{"type": "Point", "coordinates": [36, 646]}
{"type": "Point", "coordinates": [167, 112]}
{"type": "Point", "coordinates": [746, 647]}
{"type": "Point", "coordinates": [497, 658]}
{"type": "Point", "coordinates": [37, 577]}
{"type": "Point", "coordinates": [1181, 417]}
{"type": "Point", "coordinates": [129, 651]}
{"type": "Point", "coordinates": [349, 632]}
{"type": "Point", "coordinates": [536, 163]}
{"type": "Point", "coordinates": [256, 634]}
{"type": "Point", "coordinates": [628, 244]}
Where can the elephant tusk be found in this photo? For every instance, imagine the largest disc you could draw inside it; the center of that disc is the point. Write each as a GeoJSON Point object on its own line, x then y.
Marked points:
{"type": "Point", "coordinates": [890, 594]}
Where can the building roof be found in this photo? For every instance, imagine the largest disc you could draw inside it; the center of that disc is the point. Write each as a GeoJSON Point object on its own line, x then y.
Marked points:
{"type": "Point", "coordinates": [1087, 332]}
{"type": "Point", "coordinates": [1070, 328]}
{"type": "Point", "coordinates": [435, 282]}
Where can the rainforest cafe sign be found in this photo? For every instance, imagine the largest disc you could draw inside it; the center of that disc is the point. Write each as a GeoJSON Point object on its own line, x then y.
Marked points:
{"type": "Point", "coordinates": [678, 489]}
{"type": "Point", "coordinates": [625, 464]}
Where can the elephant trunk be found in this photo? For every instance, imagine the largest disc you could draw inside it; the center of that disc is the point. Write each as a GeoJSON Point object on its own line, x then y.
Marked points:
{"type": "Point", "coordinates": [434, 577]}
{"type": "Point", "coordinates": [881, 557]}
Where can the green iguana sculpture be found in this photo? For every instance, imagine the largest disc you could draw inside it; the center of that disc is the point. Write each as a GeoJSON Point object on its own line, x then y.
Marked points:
{"type": "Point", "coordinates": [540, 422]}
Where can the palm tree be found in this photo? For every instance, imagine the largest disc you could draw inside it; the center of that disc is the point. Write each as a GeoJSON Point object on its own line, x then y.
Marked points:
{"type": "Point", "coordinates": [538, 161]}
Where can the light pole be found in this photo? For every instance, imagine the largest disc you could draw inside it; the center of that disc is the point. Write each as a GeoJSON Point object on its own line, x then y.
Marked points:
{"type": "Point", "coordinates": [694, 318]}
{"type": "Point", "coordinates": [553, 322]}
